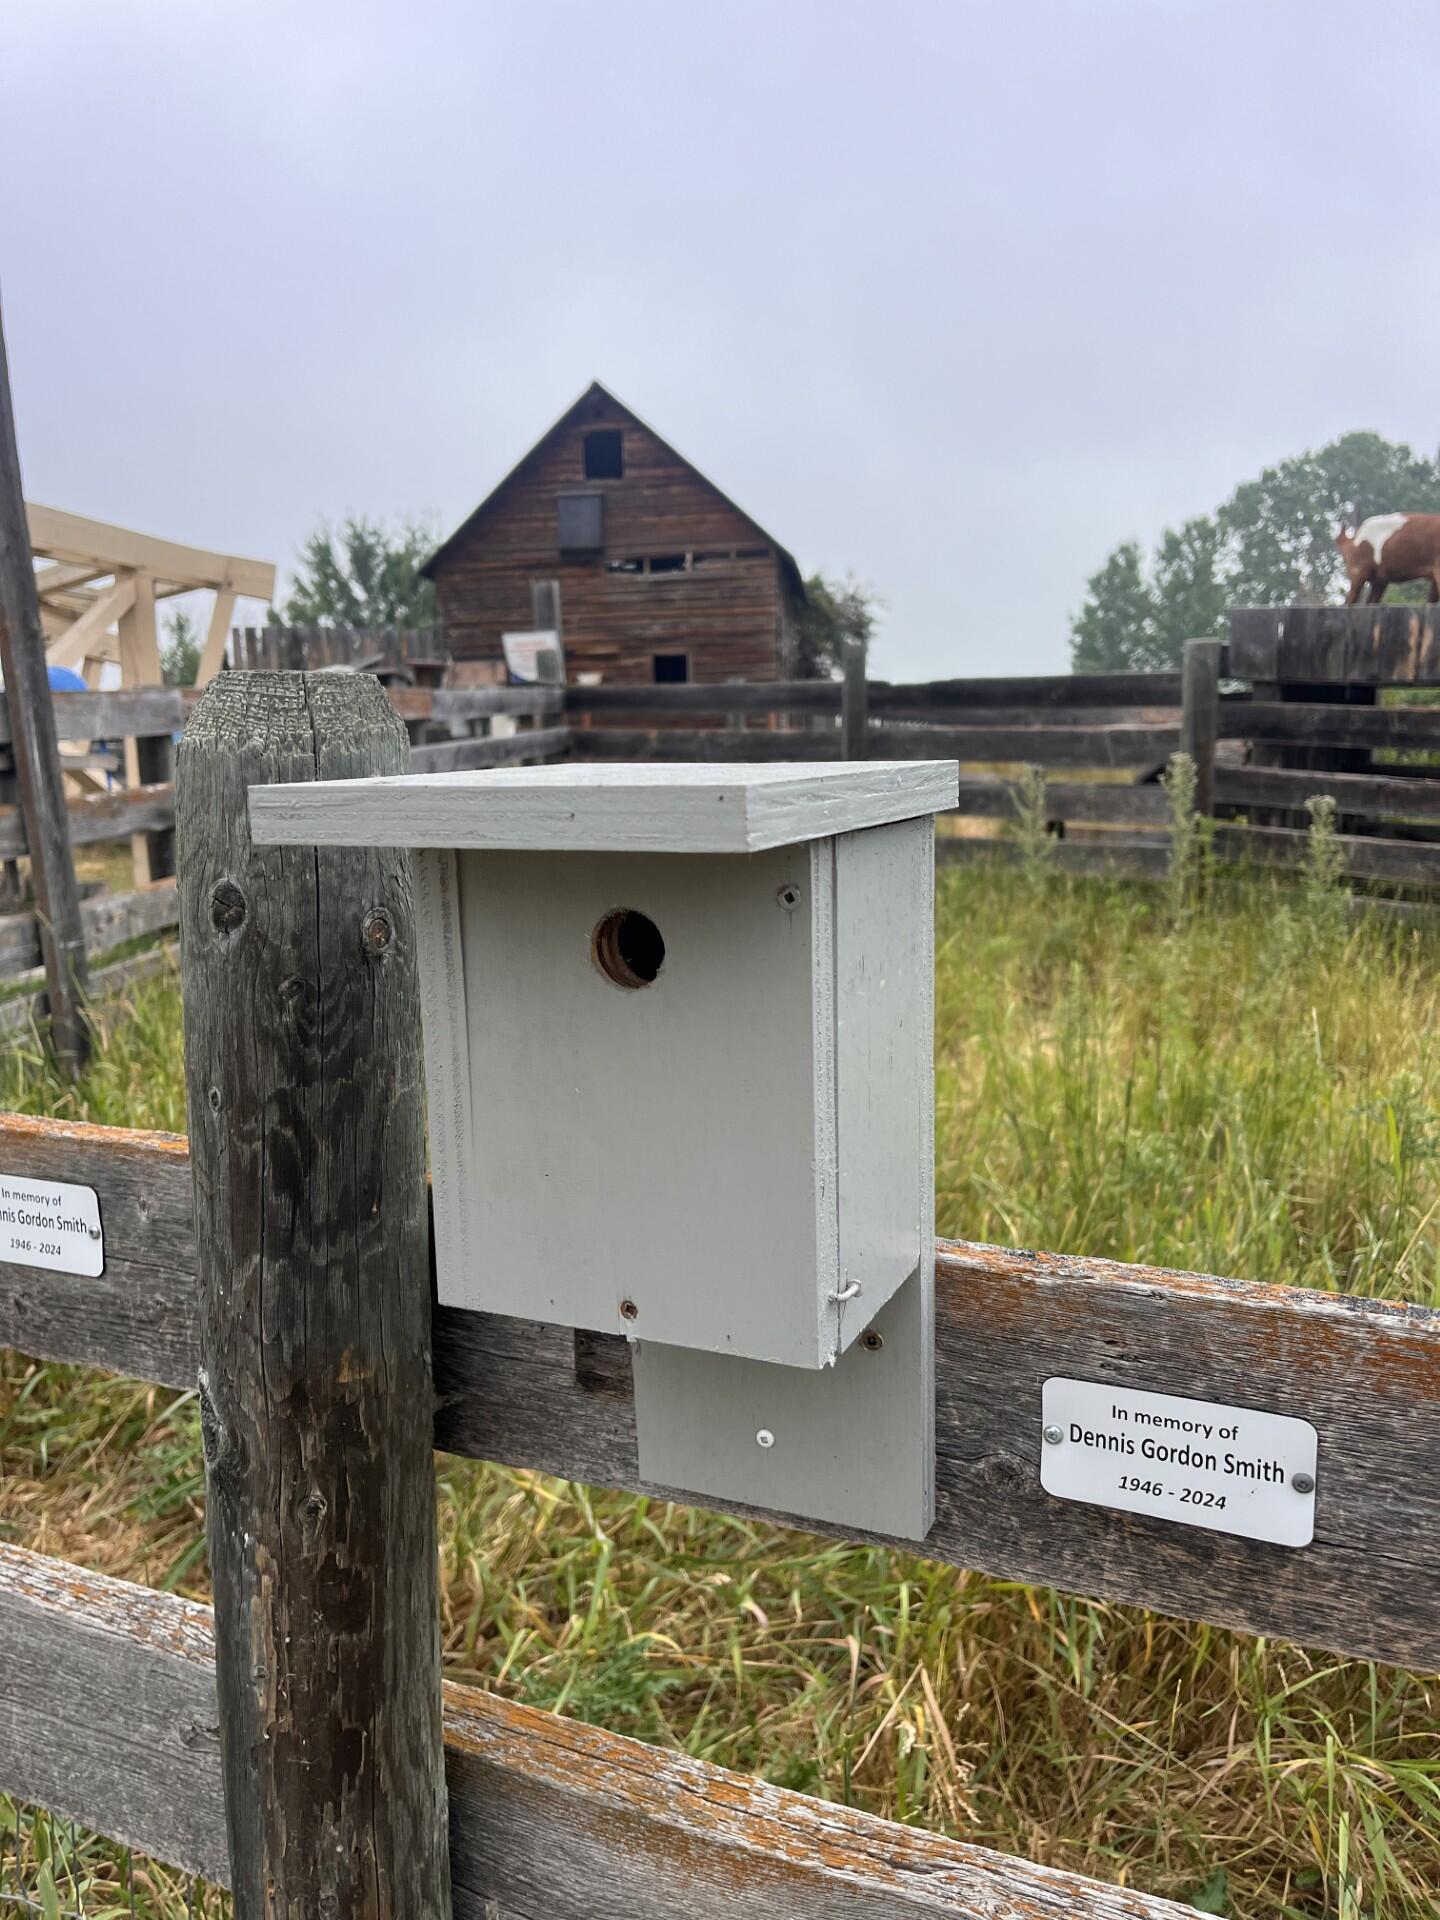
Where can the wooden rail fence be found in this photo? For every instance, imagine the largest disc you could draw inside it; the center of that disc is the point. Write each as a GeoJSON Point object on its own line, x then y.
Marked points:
{"type": "Point", "coordinates": [287, 1271]}
{"type": "Point", "coordinates": [1307, 724]}
{"type": "Point", "coordinates": [111, 919]}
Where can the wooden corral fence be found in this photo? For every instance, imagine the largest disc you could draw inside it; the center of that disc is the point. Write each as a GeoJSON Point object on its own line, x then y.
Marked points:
{"type": "Point", "coordinates": [298, 1745]}
{"type": "Point", "coordinates": [1287, 709]}
{"type": "Point", "coordinates": [111, 919]}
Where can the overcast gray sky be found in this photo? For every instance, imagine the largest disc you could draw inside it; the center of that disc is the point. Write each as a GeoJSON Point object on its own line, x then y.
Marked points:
{"type": "Point", "coordinates": [952, 296]}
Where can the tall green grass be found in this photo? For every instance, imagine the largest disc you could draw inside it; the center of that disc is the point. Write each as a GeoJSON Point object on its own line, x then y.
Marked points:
{"type": "Point", "coordinates": [1229, 1077]}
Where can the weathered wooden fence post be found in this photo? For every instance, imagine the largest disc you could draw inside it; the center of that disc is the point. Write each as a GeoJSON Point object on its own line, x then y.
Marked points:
{"type": "Point", "coordinates": [854, 704]}
{"type": "Point", "coordinates": [38, 777]}
{"type": "Point", "coordinates": [302, 1059]}
{"type": "Point", "coordinates": [1200, 715]}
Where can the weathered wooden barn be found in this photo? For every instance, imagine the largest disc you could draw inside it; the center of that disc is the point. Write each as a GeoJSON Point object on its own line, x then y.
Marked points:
{"type": "Point", "coordinates": [647, 571]}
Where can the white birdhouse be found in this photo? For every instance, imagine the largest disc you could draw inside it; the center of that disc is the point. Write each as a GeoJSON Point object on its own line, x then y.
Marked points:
{"type": "Point", "coordinates": [678, 1051]}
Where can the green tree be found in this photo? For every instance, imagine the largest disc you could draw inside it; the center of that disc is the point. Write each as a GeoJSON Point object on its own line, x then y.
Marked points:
{"type": "Point", "coordinates": [180, 650]}
{"type": "Point", "coordinates": [1116, 626]}
{"type": "Point", "coordinates": [836, 612]}
{"type": "Point", "coordinates": [1187, 586]}
{"type": "Point", "coordinates": [1271, 543]}
{"type": "Point", "coordinates": [363, 574]}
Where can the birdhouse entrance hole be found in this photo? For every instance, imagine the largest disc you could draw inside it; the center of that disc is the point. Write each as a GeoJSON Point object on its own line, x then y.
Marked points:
{"type": "Point", "coordinates": [627, 947]}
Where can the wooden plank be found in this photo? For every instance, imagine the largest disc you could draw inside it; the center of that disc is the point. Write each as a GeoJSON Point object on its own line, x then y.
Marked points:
{"type": "Point", "coordinates": [108, 1715]}
{"type": "Point", "coordinates": [730, 696]}
{"type": "Point", "coordinates": [99, 816]}
{"type": "Point", "coordinates": [105, 920]}
{"type": "Point", "coordinates": [1348, 726]}
{"type": "Point", "coordinates": [854, 710]}
{"type": "Point", "coordinates": [112, 716]}
{"type": "Point", "coordinates": [1366, 1372]}
{"type": "Point", "coordinates": [71, 538]}
{"type": "Point", "coordinates": [1117, 857]}
{"type": "Point", "coordinates": [59, 934]}
{"type": "Point", "coordinates": [604, 809]}
{"type": "Point", "coordinates": [1401, 862]}
{"type": "Point", "coordinates": [461, 756]}
{"type": "Point", "coordinates": [303, 1080]}
{"type": "Point", "coordinates": [731, 746]}
{"type": "Point", "coordinates": [1378, 646]}
{"type": "Point", "coordinates": [442, 704]}
{"type": "Point", "coordinates": [212, 654]}
{"type": "Point", "coordinates": [1041, 692]}
{"type": "Point", "coordinates": [18, 1011]}
{"type": "Point", "coordinates": [1389, 794]}
{"type": "Point", "coordinates": [81, 640]}
{"type": "Point", "coordinates": [1124, 745]}
{"type": "Point", "coordinates": [1200, 720]}
{"type": "Point", "coordinates": [988, 797]}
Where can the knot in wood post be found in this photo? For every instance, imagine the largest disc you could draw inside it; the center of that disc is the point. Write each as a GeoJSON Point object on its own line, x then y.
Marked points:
{"type": "Point", "coordinates": [302, 1061]}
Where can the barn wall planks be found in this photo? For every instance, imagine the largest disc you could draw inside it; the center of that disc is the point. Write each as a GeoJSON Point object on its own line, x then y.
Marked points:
{"type": "Point", "coordinates": [1367, 1374]}
{"type": "Point", "coordinates": [109, 1716]}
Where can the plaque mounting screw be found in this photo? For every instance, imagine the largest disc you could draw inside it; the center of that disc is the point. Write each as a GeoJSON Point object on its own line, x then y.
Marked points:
{"type": "Point", "coordinates": [788, 896]}
{"type": "Point", "coordinates": [764, 1438]}
{"type": "Point", "coordinates": [1054, 1435]}
{"type": "Point", "coordinates": [1303, 1482]}
{"type": "Point", "coordinates": [629, 1310]}
{"type": "Point", "coordinates": [872, 1341]}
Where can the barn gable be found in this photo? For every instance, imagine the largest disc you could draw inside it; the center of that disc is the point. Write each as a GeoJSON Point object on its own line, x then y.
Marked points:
{"type": "Point", "coordinates": [696, 505]}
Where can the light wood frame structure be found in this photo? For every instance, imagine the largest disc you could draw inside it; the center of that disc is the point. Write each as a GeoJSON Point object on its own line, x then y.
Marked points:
{"type": "Point", "coordinates": [97, 604]}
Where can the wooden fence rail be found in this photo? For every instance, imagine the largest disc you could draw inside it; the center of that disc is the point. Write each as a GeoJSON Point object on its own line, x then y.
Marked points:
{"type": "Point", "coordinates": [1366, 1373]}
{"type": "Point", "coordinates": [110, 1717]}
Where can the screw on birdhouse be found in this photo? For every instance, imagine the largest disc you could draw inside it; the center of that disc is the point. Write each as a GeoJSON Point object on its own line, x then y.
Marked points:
{"type": "Point", "coordinates": [788, 896]}
{"type": "Point", "coordinates": [764, 1438]}
{"type": "Point", "coordinates": [1303, 1482]}
{"type": "Point", "coordinates": [629, 1310]}
{"type": "Point", "coordinates": [1054, 1435]}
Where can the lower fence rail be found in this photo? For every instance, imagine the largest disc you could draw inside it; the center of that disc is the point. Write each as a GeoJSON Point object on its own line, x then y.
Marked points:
{"type": "Point", "coordinates": [108, 1715]}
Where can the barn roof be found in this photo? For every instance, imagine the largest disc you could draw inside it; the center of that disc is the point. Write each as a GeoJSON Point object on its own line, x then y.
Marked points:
{"type": "Point", "coordinates": [787, 559]}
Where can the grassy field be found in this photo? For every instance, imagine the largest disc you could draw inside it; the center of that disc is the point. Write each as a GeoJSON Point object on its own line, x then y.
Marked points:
{"type": "Point", "coordinates": [1252, 1089]}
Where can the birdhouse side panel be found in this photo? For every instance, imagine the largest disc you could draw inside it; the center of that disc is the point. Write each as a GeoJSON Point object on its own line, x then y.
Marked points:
{"type": "Point", "coordinates": [884, 1020]}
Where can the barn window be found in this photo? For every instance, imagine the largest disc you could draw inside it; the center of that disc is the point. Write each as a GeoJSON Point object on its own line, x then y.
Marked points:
{"type": "Point", "coordinates": [579, 519]}
{"type": "Point", "coordinates": [545, 605]}
{"type": "Point", "coordinates": [668, 562]}
{"type": "Point", "coordinates": [604, 454]}
{"type": "Point", "coordinates": [671, 669]}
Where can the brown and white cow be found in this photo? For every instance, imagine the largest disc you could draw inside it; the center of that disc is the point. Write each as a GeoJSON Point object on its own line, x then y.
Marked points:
{"type": "Point", "coordinates": [1388, 548]}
